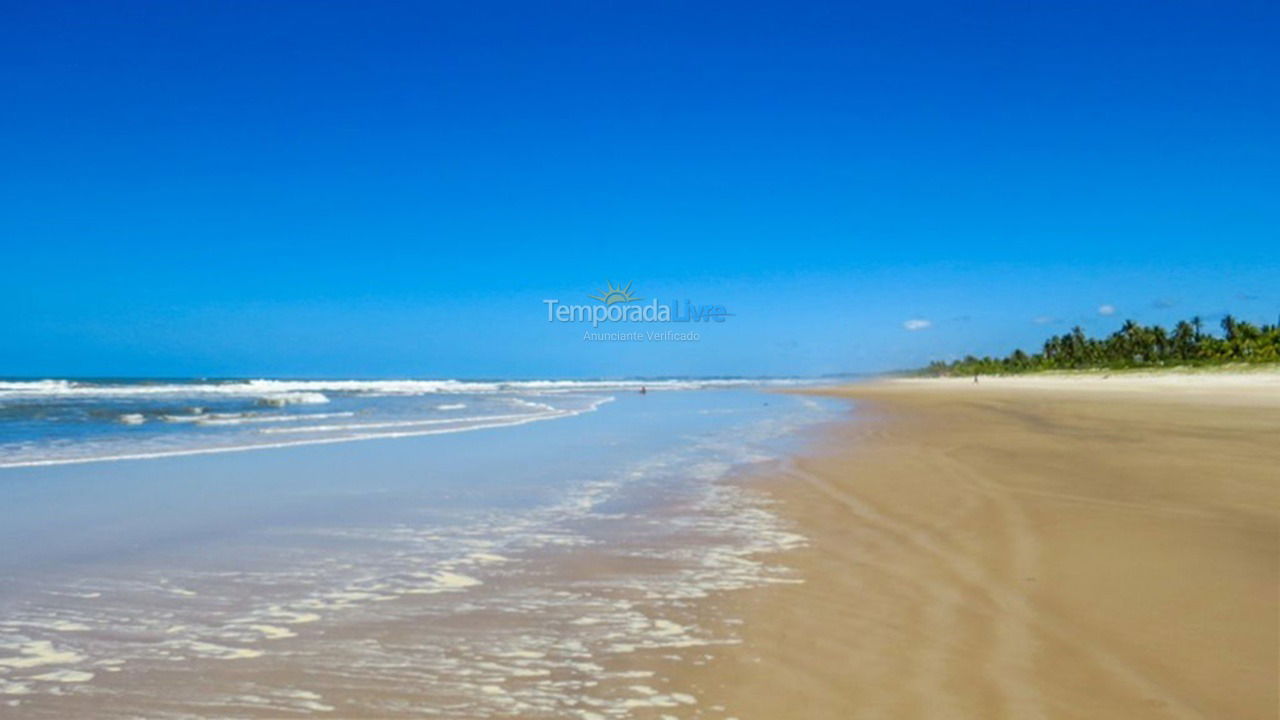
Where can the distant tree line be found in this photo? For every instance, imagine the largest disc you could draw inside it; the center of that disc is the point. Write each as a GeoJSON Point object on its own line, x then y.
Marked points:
{"type": "Point", "coordinates": [1134, 346]}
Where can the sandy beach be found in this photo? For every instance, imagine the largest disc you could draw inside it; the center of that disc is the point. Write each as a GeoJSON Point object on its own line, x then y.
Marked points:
{"type": "Point", "coordinates": [1105, 547]}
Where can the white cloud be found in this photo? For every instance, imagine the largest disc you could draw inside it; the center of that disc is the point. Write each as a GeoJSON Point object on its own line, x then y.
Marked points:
{"type": "Point", "coordinates": [916, 324]}
{"type": "Point", "coordinates": [1106, 309]}
{"type": "Point", "coordinates": [1045, 320]}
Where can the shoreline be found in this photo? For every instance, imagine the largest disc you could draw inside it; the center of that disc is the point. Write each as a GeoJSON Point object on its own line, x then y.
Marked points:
{"type": "Point", "coordinates": [546, 570]}
{"type": "Point", "coordinates": [1062, 549]}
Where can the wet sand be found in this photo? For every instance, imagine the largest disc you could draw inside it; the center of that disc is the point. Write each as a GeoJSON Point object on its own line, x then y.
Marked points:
{"type": "Point", "coordinates": [548, 570]}
{"type": "Point", "coordinates": [1051, 549]}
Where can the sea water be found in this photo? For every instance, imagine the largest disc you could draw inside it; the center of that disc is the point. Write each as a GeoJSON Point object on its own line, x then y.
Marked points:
{"type": "Point", "coordinates": [378, 548]}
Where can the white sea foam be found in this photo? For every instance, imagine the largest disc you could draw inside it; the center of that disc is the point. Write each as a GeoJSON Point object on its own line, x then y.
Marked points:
{"type": "Point", "coordinates": [486, 558]}
{"type": "Point", "coordinates": [361, 427]}
{"type": "Point", "coordinates": [64, 676]}
{"type": "Point", "coordinates": [38, 652]}
{"type": "Point", "coordinates": [54, 625]}
{"type": "Point", "coordinates": [444, 581]}
{"type": "Point", "coordinates": [249, 419]}
{"type": "Point", "coordinates": [293, 398]}
{"type": "Point", "coordinates": [222, 652]}
{"type": "Point", "coordinates": [36, 386]}
{"type": "Point", "coordinates": [184, 418]}
{"type": "Point", "coordinates": [532, 405]}
{"type": "Point", "coordinates": [76, 594]}
{"type": "Point", "coordinates": [9, 687]}
{"type": "Point", "coordinates": [273, 632]}
{"type": "Point", "coordinates": [293, 618]}
{"type": "Point", "coordinates": [290, 391]}
{"type": "Point", "coordinates": [151, 455]}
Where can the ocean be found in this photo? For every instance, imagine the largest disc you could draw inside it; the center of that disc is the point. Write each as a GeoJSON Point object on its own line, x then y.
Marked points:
{"type": "Point", "coordinates": [262, 548]}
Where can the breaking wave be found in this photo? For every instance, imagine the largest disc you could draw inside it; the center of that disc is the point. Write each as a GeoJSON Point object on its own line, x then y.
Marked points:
{"type": "Point", "coordinates": [311, 391]}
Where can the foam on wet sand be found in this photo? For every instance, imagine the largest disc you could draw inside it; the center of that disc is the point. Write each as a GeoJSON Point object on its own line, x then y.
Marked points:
{"type": "Point", "coordinates": [551, 610]}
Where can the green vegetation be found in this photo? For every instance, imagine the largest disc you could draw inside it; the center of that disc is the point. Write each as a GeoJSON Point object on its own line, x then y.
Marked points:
{"type": "Point", "coordinates": [1133, 346]}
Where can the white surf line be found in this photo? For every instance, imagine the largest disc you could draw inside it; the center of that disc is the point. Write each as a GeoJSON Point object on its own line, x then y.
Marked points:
{"type": "Point", "coordinates": [251, 419]}
{"type": "Point", "coordinates": [295, 443]}
{"type": "Point", "coordinates": [399, 423]}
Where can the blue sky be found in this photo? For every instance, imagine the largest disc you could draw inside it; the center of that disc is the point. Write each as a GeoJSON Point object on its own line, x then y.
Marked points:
{"type": "Point", "coordinates": [391, 188]}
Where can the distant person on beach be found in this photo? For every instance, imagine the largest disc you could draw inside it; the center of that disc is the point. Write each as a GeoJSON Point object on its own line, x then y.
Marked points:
{"type": "Point", "coordinates": [643, 391]}
{"type": "Point", "coordinates": [975, 378]}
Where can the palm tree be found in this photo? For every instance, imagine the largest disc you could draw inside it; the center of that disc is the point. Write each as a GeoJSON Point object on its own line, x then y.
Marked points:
{"type": "Point", "coordinates": [1158, 341]}
{"type": "Point", "coordinates": [1229, 326]}
{"type": "Point", "coordinates": [1131, 340]}
{"type": "Point", "coordinates": [1136, 345]}
{"type": "Point", "coordinates": [1184, 340]}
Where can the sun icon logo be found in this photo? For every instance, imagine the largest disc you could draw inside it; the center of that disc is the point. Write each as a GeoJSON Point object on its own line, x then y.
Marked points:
{"type": "Point", "coordinates": [612, 294]}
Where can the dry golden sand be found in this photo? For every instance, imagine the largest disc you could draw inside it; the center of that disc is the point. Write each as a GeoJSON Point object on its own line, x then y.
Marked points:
{"type": "Point", "coordinates": [1022, 551]}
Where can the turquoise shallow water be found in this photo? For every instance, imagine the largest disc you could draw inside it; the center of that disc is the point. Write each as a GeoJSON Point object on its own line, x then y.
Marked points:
{"type": "Point", "coordinates": [127, 580]}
